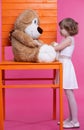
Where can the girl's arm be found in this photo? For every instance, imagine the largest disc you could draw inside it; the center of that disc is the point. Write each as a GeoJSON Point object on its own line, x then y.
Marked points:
{"type": "Point", "coordinates": [63, 44]}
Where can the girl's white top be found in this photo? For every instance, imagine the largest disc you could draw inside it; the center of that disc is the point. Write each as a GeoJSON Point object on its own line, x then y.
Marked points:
{"type": "Point", "coordinates": [68, 51]}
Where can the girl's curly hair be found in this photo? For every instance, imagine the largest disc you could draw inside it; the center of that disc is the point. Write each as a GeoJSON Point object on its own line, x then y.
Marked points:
{"type": "Point", "coordinates": [70, 25]}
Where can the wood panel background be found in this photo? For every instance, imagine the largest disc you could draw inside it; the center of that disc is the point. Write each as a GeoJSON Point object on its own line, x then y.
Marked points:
{"type": "Point", "coordinates": [47, 10]}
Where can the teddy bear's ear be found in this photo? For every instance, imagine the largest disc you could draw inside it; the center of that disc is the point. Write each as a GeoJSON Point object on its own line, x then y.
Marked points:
{"type": "Point", "coordinates": [28, 16]}
{"type": "Point", "coordinates": [26, 21]}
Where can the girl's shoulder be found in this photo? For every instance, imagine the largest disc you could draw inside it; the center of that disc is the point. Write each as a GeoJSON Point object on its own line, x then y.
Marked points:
{"type": "Point", "coordinates": [71, 39]}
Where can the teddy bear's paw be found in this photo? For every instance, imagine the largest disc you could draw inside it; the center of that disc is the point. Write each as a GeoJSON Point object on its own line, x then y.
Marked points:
{"type": "Point", "coordinates": [46, 54]}
{"type": "Point", "coordinates": [37, 43]}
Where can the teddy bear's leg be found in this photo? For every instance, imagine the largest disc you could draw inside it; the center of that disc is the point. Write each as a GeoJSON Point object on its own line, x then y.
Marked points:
{"type": "Point", "coordinates": [46, 54]}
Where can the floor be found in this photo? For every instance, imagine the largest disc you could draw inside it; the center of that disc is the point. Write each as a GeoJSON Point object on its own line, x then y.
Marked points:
{"type": "Point", "coordinates": [31, 109]}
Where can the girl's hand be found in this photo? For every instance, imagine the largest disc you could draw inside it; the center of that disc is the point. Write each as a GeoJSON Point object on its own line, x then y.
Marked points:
{"type": "Point", "coordinates": [65, 43]}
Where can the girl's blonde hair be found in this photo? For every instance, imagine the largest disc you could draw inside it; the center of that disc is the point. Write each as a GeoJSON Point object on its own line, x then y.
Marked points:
{"type": "Point", "coordinates": [70, 25]}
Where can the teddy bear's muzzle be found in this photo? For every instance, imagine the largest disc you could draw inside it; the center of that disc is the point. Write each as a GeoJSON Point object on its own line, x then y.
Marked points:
{"type": "Point", "coordinates": [40, 30]}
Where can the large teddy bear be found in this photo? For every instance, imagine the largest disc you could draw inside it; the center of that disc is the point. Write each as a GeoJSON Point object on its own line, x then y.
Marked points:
{"type": "Point", "coordinates": [25, 43]}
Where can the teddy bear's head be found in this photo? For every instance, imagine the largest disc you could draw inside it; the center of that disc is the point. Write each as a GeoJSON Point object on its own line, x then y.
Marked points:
{"type": "Point", "coordinates": [28, 22]}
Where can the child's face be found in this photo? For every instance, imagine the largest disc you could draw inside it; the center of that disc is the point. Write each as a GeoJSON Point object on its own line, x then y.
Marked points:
{"type": "Point", "coordinates": [64, 33]}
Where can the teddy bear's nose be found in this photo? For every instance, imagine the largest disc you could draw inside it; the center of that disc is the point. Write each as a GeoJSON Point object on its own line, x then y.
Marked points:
{"type": "Point", "coordinates": [40, 30]}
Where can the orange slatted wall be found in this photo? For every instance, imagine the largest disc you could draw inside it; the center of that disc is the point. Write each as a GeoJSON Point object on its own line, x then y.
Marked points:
{"type": "Point", "coordinates": [47, 10]}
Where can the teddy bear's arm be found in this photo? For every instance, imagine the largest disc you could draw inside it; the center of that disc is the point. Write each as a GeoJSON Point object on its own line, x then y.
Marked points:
{"type": "Point", "coordinates": [38, 43]}
{"type": "Point", "coordinates": [23, 38]}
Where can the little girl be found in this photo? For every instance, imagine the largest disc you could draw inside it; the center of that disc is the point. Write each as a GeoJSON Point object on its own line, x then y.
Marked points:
{"type": "Point", "coordinates": [68, 29]}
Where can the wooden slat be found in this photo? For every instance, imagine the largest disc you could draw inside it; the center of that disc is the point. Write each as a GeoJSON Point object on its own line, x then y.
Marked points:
{"type": "Point", "coordinates": [48, 40]}
{"type": "Point", "coordinates": [21, 1]}
{"type": "Point", "coordinates": [32, 86]}
{"type": "Point", "coordinates": [48, 35]}
{"type": "Point", "coordinates": [52, 1]}
{"type": "Point", "coordinates": [19, 79]}
{"type": "Point", "coordinates": [46, 27]}
{"type": "Point", "coordinates": [6, 42]}
{"type": "Point", "coordinates": [1, 108]}
{"type": "Point", "coordinates": [3, 52]}
{"type": "Point", "coordinates": [5, 34]}
{"type": "Point", "coordinates": [45, 34]}
{"type": "Point", "coordinates": [47, 12]}
{"type": "Point", "coordinates": [46, 20]}
{"type": "Point", "coordinates": [29, 6]}
{"type": "Point", "coordinates": [28, 63]}
{"type": "Point", "coordinates": [11, 20]}
{"type": "Point", "coordinates": [7, 28]}
{"type": "Point", "coordinates": [49, 27]}
{"type": "Point", "coordinates": [12, 13]}
{"type": "Point", "coordinates": [11, 65]}
{"type": "Point", "coordinates": [26, 67]}
{"type": "Point", "coordinates": [31, 1]}
{"type": "Point", "coordinates": [8, 20]}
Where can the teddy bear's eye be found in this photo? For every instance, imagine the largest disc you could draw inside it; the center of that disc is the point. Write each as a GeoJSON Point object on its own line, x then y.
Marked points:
{"type": "Point", "coordinates": [35, 21]}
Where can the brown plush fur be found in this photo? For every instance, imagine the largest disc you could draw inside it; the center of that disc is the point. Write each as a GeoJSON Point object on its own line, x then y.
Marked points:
{"type": "Point", "coordinates": [24, 47]}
